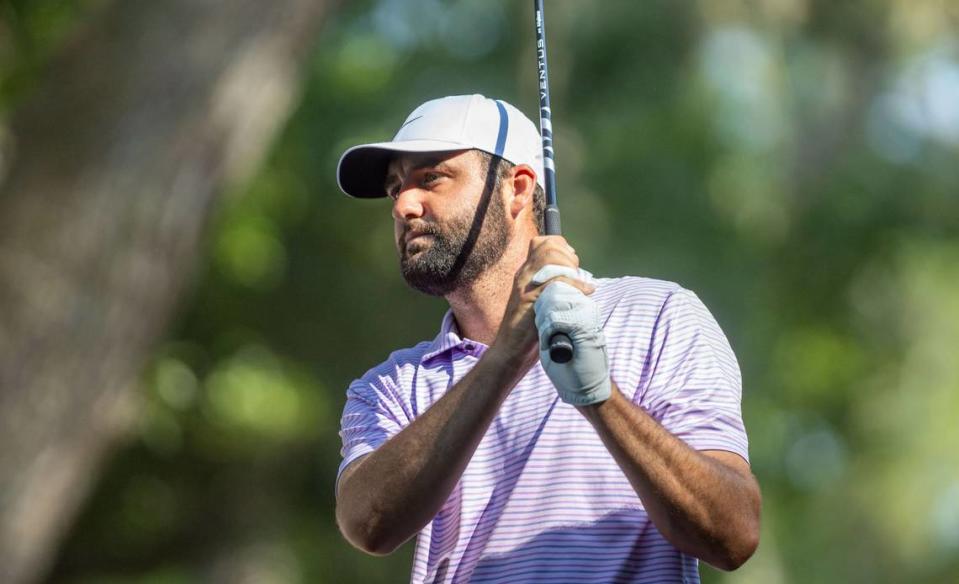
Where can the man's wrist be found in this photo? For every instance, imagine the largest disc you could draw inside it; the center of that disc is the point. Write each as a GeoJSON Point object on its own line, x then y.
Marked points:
{"type": "Point", "coordinates": [595, 411]}
{"type": "Point", "coordinates": [509, 363]}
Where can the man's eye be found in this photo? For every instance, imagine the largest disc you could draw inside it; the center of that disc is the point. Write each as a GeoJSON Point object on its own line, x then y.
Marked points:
{"type": "Point", "coordinates": [429, 177]}
{"type": "Point", "coordinates": [392, 187]}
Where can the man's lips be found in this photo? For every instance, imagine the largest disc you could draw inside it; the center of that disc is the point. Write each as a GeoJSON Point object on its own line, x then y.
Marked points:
{"type": "Point", "coordinates": [413, 235]}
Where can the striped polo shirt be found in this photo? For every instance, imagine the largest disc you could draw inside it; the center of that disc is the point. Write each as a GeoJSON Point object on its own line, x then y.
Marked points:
{"type": "Point", "coordinates": [542, 500]}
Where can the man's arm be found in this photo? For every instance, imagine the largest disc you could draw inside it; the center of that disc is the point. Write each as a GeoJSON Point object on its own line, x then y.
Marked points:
{"type": "Point", "coordinates": [706, 504]}
{"type": "Point", "coordinates": [389, 495]}
{"type": "Point", "coordinates": [392, 493]}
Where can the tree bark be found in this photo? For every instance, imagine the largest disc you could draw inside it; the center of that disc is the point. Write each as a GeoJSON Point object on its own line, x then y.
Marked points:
{"type": "Point", "coordinates": [117, 160]}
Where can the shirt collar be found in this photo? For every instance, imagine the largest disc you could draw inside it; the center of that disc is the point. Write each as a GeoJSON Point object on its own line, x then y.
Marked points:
{"type": "Point", "coordinates": [448, 339]}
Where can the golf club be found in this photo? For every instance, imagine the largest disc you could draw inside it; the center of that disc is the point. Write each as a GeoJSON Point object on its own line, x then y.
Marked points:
{"type": "Point", "coordinates": [560, 345]}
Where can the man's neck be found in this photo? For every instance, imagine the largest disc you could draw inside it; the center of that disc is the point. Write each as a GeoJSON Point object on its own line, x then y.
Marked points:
{"type": "Point", "coordinates": [479, 307]}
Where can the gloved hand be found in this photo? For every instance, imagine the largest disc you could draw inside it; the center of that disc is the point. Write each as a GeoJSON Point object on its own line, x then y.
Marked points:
{"type": "Point", "coordinates": [562, 308]}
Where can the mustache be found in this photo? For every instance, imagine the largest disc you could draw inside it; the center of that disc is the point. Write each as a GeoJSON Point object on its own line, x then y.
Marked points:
{"type": "Point", "coordinates": [420, 228]}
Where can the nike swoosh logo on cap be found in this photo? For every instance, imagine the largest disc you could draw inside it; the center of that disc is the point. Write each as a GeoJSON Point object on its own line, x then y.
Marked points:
{"type": "Point", "coordinates": [408, 122]}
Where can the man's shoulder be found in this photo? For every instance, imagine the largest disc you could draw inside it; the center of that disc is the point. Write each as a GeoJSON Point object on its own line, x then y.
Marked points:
{"type": "Point", "coordinates": [400, 360]}
{"type": "Point", "coordinates": [634, 292]}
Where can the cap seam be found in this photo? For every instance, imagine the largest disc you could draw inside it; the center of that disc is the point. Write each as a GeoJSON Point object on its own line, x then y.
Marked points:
{"type": "Point", "coordinates": [466, 118]}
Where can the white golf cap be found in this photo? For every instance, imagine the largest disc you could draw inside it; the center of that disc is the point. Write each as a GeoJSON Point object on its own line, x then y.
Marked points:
{"type": "Point", "coordinates": [447, 124]}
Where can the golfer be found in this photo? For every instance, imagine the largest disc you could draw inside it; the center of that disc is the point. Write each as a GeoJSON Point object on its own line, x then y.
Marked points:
{"type": "Point", "coordinates": [627, 464]}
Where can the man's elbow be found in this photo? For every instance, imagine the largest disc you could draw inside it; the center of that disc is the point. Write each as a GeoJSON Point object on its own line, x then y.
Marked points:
{"type": "Point", "coordinates": [738, 552]}
{"type": "Point", "coordinates": [741, 543]}
{"type": "Point", "coordinates": [366, 535]}
{"type": "Point", "coordinates": [371, 545]}
{"type": "Point", "coordinates": [743, 538]}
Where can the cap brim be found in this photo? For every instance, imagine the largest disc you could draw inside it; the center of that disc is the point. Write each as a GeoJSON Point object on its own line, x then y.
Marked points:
{"type": "Point", "coordinates": [361, 172]}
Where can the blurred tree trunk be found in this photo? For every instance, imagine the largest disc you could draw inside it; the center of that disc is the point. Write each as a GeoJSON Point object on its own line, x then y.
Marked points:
{"type": "Point", "coordinates": [116, 161]}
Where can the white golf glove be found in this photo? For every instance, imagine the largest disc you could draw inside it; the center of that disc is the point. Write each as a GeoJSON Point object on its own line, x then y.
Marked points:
{"type": "Point", "coordinates": [561, 308]}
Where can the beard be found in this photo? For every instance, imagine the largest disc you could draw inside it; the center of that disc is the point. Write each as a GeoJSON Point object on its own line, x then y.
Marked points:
{"type": "Point", "coordinates": [452, 256]}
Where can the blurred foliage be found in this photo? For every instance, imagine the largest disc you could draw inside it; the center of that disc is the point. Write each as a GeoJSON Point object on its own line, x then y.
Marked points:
{"type": "Point", "coordinates": [30, 32]}
{"type": "Point", "coordinates": [793, 161]}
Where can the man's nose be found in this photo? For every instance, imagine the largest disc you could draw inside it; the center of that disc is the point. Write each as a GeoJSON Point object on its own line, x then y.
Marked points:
{"type": "Point", "coordinates": [408, 203]}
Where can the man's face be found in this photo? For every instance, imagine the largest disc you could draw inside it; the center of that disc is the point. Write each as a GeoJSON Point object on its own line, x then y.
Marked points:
{"type": "Point", "coordinates": [449, 225]}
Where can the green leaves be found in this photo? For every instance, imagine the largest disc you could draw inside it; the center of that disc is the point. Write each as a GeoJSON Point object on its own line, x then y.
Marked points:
{"type": "Point", "coordinates": [772, 157]}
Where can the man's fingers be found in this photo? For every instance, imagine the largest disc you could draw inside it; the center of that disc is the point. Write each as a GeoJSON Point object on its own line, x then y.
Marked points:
{"type": "Point", "coordinates": [552, 259]}
{"type": "Point", "coordinates": [584, 287]}
{"type": "Point", "coordinates": [553, 256]}
{"type": "Point", "coordinates": [552, 251]}
{"type": "Point", "coordinates": [552, 270]}
{"type": "Point", "coordinates": [547, 244]}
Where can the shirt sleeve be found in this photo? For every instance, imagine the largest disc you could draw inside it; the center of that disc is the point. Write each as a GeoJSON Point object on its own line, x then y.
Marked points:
{"type": "Point", "coordinates": [372, 415]}
{"type": "Point", "coordinates": [691, 383]}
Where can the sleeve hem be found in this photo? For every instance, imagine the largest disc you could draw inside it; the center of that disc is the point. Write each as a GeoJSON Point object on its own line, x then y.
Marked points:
{"type": "Point", "coordinates": [724, 445]}
{"type": "Point", "coordinates": [359, 452]}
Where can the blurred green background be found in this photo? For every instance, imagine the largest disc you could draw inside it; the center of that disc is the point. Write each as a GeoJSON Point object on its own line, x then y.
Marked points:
{"type": "Point", "coordinates": [795, 162]}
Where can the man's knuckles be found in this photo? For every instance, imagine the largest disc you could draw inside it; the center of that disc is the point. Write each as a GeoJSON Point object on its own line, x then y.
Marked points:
{"type": "Point", "coordinates": [584, 287]}
{"type": "Point", "coordinates": [552, 256]}
{"type": "Point", "coordinates": [550, 241]}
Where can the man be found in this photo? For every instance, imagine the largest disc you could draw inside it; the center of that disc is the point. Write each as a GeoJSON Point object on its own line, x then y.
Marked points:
{"type": "Point", "coordinates": [626, 464]}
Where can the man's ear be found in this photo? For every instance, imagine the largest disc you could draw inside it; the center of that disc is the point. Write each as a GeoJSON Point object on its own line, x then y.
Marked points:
{"type": "Point", "coordinates": [523, 180]}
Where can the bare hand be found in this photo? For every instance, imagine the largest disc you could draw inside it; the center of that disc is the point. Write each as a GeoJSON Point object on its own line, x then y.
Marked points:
{"type": "Point", "coordinates": [517, 334]}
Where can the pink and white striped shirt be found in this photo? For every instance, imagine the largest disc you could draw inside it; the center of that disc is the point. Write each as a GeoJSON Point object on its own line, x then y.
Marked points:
{"type": "Point", "coordinates": [542, 500]}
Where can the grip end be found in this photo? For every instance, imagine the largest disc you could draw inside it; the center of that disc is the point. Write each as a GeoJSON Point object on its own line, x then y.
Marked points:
{"type": "Point", "coordinates": [560, 348]}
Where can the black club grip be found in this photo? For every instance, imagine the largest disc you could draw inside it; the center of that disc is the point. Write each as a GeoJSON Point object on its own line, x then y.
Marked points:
{"type": "Point", "coordinates": [560, 348]}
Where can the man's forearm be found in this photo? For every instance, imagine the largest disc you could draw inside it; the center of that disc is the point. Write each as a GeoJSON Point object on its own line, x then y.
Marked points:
{"type": "Point", "coordinates": [392, 493]}
{"type": "Point", "coordinates": [704, 506]}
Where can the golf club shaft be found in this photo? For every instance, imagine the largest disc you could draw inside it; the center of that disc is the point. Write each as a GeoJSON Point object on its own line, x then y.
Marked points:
{"type": "Point", "coordinates": [560, 345]}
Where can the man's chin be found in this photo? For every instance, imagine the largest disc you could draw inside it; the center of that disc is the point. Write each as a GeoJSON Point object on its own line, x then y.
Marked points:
{"type": "Point", "coordinates": [425, 280]}
{"type": "Point", "coordinates": [428, 286]}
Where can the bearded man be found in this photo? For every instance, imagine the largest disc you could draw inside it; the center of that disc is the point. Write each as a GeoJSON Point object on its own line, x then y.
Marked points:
{"type": "Point", "coordinates": [627, 464]}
